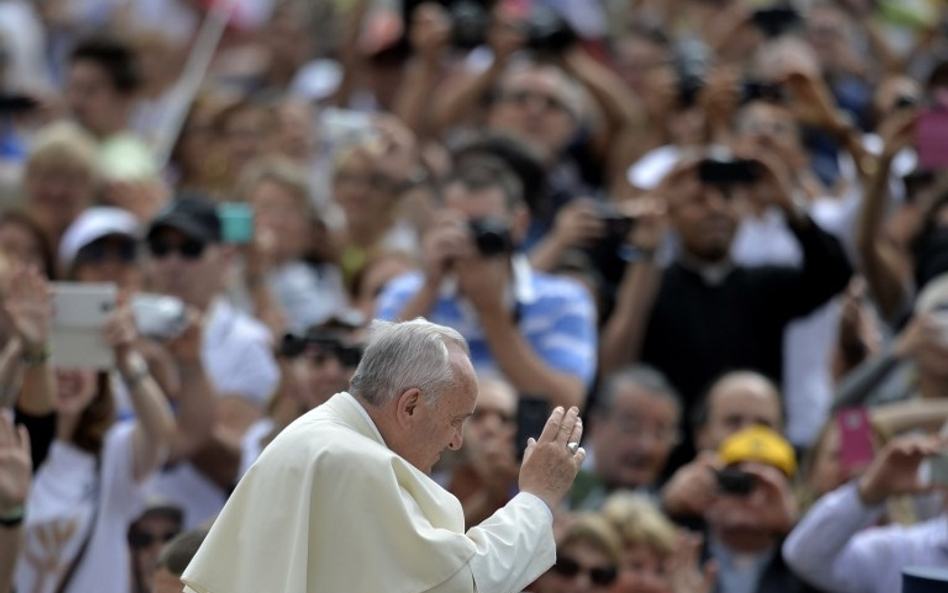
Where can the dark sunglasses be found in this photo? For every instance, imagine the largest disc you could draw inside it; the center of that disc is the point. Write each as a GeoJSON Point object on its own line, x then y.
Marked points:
{"type": "Point", "coordinates": [602, 576]}
{"type": "Point", "coordinates": [189, 249]}
{"type": "Point", "coordinates": [143, 539]}
{"type": "Point", "coordinates": [124, 252]}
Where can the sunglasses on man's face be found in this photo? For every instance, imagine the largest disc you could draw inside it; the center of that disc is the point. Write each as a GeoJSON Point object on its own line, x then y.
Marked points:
{"type": "Point", "coordinates": [144, 539]}
{"type": "Point", "coordinates": [124, 252]}
{"type": "Point", "coordinates": [602, 576]}
{"type": "Point", "coordinates": [189, 249]}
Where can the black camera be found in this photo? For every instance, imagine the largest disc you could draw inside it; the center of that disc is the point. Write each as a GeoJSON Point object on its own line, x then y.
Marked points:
{"type": "Point", "coordinates": [469, 23]}
{"type": "Point", "coordinates": [618, 225]}
{"type": "Point", "coordinates": [319, 346]}
{"type": "Point", "coordinates": [776, 20]}
{"type": "Point", "coordinates": [755, 90]}
{"type": "Point", "coordinates": [729, 172]}
{"type": "Point", "coordinates": [548, 33]}
{"type": "Point", "coordinates": [492, 236]}
{"type": "Point", "coordinates": [735, 482]}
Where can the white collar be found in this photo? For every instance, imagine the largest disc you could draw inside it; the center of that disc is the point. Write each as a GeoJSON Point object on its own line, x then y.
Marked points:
{"type": "Point", "coordinates": [352, 401]}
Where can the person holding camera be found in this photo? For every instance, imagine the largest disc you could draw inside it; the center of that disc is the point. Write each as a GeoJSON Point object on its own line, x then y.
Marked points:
{"type": "Point", "coordinates": [538, 330]}
{"type": "Point", "coordinates": [704, 314]}
{"type": "Point", "coordinates": [751, 511]}
{"type": "Point", "coordinates": [835, 545]}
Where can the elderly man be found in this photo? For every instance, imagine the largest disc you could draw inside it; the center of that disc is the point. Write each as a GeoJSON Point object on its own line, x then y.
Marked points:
{"type": "Point", "coordinates": [342, 499]}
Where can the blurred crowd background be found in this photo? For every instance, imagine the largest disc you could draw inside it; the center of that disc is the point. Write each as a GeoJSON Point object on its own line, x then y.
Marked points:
{"type": "Point", "coordinates": [719, 227]}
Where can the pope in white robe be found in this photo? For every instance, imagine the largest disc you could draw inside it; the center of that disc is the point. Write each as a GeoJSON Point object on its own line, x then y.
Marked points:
{"type": "Point", "coordinates": [330, 508]}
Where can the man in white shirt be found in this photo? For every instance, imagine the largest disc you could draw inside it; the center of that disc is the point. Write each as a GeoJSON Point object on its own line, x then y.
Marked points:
{"type": "Point", "coordinates": [342, 500]}
{"type": "Point", "coordinates": [187, 260]}
{"type": "Point", "coordinates": [835, 548]}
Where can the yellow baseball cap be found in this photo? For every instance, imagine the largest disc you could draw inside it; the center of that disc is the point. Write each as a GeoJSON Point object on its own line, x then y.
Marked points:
{"type": "Point", "coordinates": [759, 443]}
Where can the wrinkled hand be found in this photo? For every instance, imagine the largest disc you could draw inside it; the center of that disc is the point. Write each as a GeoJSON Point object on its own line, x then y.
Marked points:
{"type": "Point", "coordinates": [685, 574]}
{"type": "Point", "coordinates": [549, 467]}
{"type": "Point", "coordinates": [577, 224]}
{"type": "Point", "coordinates": [894, 471]}
{"type": "Point", "coordinates": [28, 304]}
{"type": "Point", "coordinates": [16, 466]}
{"type": "Point", "coordinates": [693, 487]}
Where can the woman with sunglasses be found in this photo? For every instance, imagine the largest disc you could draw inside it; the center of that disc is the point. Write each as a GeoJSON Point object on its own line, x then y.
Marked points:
{"type": "Point", "coordinates": [587, 558]}
{"type": "Point", "coordinates": [89, 487]}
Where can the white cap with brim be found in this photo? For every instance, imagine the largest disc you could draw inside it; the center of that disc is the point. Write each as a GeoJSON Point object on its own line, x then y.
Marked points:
{"type": "Point", "coordinates": [92, 225]}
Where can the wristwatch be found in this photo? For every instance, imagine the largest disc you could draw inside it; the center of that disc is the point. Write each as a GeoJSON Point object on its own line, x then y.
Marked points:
{"type": "Point", "coordinates": [13, 517]}
{"type": "Point", "coordinates": [138, 371]}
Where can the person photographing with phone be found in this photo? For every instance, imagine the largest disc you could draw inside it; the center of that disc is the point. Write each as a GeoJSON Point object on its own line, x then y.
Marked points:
{"type": "Point", "coordinates": [90, 480]}
{"type": "Point", "coordinates": [836, 547]}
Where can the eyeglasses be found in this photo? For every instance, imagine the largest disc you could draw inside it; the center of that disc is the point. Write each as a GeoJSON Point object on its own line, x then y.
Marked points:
{"type": "Point", "coordinates": [602, 576]}
{"type": "Point", "coordinates": [548, 101]}
{"type": "Point", "coordinates": [633, 425]}
{"type": "Point", "coordinates": [144, 539]}
{"type": "Point", "coordinates": [98, 252]}
{"type": "Point", "coordinates": [189, 249]}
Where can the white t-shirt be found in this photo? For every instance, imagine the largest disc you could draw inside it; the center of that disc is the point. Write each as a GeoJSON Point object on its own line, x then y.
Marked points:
{"type": "Point", "coordinates": [59, 511]}
{"type": "Point", "coordinates": [239, 361]}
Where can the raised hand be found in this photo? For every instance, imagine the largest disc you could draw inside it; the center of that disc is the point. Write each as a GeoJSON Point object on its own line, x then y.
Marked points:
{"type": "Point", "coordinates": [894, 471]}
{"type": "Point", "coordinates": [550, 463]}
{"type": "Point", "coordinates": [16, 466]}
{"type": "Point", "coordinates": [28, 305]}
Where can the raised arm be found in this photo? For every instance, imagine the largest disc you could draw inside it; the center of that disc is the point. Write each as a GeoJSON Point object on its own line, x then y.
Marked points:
{"type": "Point", "coordinates": [28, 305]}
{"type": "Point", "coordinates": [15, 472]}
{"type": "Point", "coordinates": [884, 263]}
{"type": "Point", "coordinates": [196, 403]}
{"type": "Point", "coordinates": [154, 424]}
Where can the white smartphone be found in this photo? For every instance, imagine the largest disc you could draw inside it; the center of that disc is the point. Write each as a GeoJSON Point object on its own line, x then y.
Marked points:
{"type": "Point", "coordinates": [80, 311]}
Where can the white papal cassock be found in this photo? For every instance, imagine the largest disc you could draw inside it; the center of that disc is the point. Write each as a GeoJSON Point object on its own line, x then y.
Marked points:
{"type": "Point", "coordinates": [328, 508]}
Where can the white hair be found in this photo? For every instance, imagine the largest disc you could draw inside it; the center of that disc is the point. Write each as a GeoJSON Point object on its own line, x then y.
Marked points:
{"type": "Point", "coordinates": [406, 355]}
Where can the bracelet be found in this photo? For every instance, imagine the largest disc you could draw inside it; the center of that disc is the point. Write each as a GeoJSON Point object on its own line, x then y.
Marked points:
{"type": "Point", "coordinates": [13, 517]}
{"type": "Point", "coordinates": [140, 371]}
{"type": "Point", "coordinates": [35, 358]}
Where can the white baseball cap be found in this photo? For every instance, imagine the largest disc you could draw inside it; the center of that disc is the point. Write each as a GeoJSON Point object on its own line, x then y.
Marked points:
{"type": "Point", "coordinates": [92, 225]}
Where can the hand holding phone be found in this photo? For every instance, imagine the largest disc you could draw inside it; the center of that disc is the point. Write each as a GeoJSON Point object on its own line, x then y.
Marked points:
{"type": "Point", "coordinates": [236, 222]}
{"type": "Point", "coordinates": [159, 316]}
{"type": "Point", "coordinates": [80, 313]}
{"type": "Point", "coordinates": [856, 449]}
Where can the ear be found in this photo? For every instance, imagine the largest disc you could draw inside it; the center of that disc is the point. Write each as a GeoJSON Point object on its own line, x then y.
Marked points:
{"type": "Point", "coordinates": [407, 406]}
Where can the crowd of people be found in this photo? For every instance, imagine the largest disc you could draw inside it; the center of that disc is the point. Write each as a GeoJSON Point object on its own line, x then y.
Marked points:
{"type": "Point", "coordinates": [719, 228]}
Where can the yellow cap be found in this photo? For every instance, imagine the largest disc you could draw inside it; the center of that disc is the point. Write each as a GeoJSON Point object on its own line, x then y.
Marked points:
{"type": "Point", "coordinates": [761, 444]}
